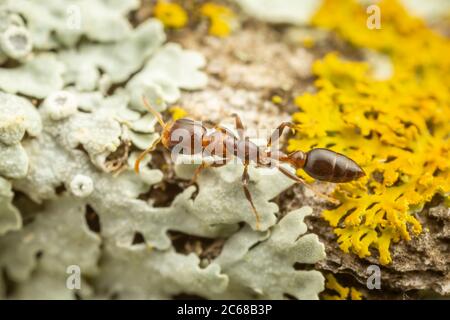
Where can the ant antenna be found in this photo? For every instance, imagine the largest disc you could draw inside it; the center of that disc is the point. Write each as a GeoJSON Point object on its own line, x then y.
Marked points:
{"type": "Point", "coordinates": [155, 113]}
{"type": "Point", "coordinates": [158, 117]}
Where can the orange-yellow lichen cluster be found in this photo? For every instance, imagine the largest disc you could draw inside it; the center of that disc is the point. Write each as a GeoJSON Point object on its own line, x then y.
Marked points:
{"type": "Point", "coordinates": [398, 129]}
{"type": "Point", "coordinates": [341, 292]}
{"type": "Point", "coordinates": [177, 112]}
{"type": "Point", "coordinates": [221, 19]}
{"type": "Point", "coordinates": [172, 15]}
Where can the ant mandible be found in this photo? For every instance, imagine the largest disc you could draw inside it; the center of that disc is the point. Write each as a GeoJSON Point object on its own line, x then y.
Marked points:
{"type": "Point", "coordinates": [320, 163]}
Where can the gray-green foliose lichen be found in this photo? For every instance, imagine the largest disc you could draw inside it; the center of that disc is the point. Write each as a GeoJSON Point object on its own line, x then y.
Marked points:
{"type": "Point", "coordinates": [70, 144]}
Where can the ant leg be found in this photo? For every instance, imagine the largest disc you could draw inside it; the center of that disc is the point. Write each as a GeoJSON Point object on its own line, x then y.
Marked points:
{"type": "Point", "coordinates": [299, 180]}
{"type": "Point", "coordinates": [248, 195]}
{"type": "Point", "coordinates": [197, 171]}
{"type": "Point", "coordinates": [239, 126]}
{"type": "Point", "coordinates": [205, 165]}
{"type": "Point", "coordinates": [144, 153]}
{"type": "Point", "coordinates": [219, 128]}
{"type": "Point", "coordinates": [210, 123]}
{"type": "Point", "coordinates": [226, 131]}
{"type": "Point", "coordinates": [279, 131]}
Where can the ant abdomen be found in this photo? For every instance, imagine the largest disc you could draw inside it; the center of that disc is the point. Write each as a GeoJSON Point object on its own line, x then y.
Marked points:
{"type": "Point", "coordinates": [327, 165]}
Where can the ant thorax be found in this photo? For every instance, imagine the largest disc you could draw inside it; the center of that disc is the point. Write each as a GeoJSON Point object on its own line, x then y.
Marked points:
{"type": "Point", "coordinates": [220, 144]}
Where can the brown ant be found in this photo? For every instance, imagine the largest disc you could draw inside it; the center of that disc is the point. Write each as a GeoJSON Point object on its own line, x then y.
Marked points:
{"type": "Point", "coordinates": [321, 164]}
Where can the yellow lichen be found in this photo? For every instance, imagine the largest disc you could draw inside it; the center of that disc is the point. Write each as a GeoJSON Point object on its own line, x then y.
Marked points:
{"type": "Point", "coordinates": [170, 14]}
{"type": "Point", "coordinates": [341, 292]}
{"type": "Point", "coordinates": [397, 129]}
{"type": "Point", "coordinates": [355, 294]}
{"type": "Point", "coordinates": [277, 99]}
{"type": "Point", "coordinates": [177, 112]}
{"type": "Point", "coordinates": [308, 42]}
{"type": "Point", "coordinates": [220, 17]}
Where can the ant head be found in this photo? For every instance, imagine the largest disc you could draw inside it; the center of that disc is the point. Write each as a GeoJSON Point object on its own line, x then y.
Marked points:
{"type": "Point", "coordinates": [184, 132]}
